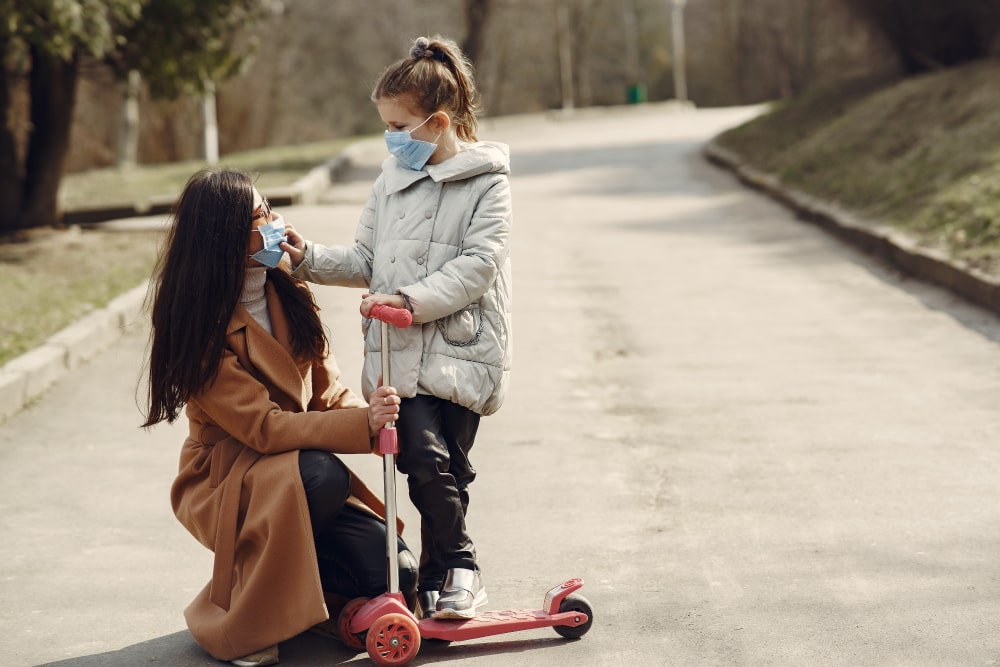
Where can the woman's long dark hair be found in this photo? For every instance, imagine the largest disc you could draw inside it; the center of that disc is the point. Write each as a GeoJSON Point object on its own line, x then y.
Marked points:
{"type": "Point", "coordinates": [197, 285]}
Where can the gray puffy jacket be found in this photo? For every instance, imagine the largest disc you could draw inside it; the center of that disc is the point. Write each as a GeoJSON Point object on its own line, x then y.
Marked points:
{"type": "Point", "coordinates": [441, 237]}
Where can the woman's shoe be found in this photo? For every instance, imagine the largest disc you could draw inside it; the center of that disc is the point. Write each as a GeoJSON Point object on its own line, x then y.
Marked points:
{"type": "Point", "coordinates": [330, 628]}
{"type": "Point", "coordinates": [462, 594]}
{"type": "Point", "coordinates": [268, 656]}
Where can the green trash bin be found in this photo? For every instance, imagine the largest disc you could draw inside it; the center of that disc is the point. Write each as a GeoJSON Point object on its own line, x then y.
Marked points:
{"type": "Point", "coordinates": [635, 94]}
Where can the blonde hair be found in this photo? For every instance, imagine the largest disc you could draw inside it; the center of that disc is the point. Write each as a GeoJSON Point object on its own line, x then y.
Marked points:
{"type": "Point", "coordinates": [435, 76]}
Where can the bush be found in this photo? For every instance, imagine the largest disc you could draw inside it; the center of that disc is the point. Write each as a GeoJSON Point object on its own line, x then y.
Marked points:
{"type": "Point", "coordinates": [928, 34]}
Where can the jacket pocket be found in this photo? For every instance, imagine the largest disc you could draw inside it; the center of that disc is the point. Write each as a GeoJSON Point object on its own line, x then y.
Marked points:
{"type": "Point", "coordinates": [463, 328]}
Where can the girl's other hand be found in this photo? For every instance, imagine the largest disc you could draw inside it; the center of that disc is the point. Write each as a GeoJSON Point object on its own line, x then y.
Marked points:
{"type": "Point", "coordinates": [295, 247]}
{"type": "Point", "coordinates": [383, 407]}
{"type": "Point", "coordinates": [369, 300]}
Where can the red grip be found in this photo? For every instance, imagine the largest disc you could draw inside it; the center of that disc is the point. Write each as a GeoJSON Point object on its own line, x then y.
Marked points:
{"type": "Point", "coordinates": [399, 317]}
{"type": "Point", "coordinates": [387, 442]}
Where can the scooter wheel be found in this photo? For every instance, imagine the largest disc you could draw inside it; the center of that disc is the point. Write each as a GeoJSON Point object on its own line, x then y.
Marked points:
{"type": "Point", "coordinates": [574, 602]}
{"type": "Point", "coordinates": [393, 639]}
{"type": "Point", "coordinates": [347, 615]}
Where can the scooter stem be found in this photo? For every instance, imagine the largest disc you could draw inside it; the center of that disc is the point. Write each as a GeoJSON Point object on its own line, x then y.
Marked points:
{"type": "Point", "coordinates": [389, 476]}
{"type": "Point", "coordinates": [389, 460]}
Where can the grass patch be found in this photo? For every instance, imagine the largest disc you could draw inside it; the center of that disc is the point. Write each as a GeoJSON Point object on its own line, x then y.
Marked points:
{"type": "Point", "coordinates": [274, 167]}
{"type": "Point", "coordinates": [920, 154]}
{"type": "Point", "coordinates": [52, 277]}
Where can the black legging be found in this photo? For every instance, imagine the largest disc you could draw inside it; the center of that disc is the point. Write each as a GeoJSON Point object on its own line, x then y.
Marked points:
{"type": "Point", "coordinates": [350, 542]}
{"type": "Point", "coordinates": [435, 436]}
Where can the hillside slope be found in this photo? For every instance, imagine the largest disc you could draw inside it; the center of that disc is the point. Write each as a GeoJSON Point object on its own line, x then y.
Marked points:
{"type": "Point", "coordinates": [921, 155]}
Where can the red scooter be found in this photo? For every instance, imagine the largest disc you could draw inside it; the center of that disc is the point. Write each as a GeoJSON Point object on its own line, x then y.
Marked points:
{"type": "Point", "coordinates": [387, 629]}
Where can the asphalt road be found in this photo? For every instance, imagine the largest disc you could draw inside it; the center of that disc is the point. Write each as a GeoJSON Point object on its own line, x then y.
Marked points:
{"type": "Point", "coordinates": [755, 445]}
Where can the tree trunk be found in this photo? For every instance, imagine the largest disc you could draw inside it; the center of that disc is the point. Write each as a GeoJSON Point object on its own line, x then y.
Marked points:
{"type": "Point", "coordinates": [477, 13]}
{"type": "Point", "coordinates": [10, 173]}
{"type": "Point", "coordinates": [52, 84]}
{"type": "Point", "coordinates": [565, 55]}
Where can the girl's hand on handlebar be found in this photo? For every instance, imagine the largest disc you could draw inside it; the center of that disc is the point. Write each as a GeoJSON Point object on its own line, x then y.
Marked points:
{"type": "Point", "coordinates": [383, 407]}
{"type": "Point", "coordinates": [369, 300]}
{"type": "Point", "coordinates": [295, 247]}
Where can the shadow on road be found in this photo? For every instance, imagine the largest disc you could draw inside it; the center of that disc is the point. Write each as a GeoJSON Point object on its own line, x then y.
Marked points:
{"type": "Point", "coordinates": [174, 649]}
{"type": "Point", "coordinates": [677, 169]}
{"type": "Point", "coordinates": [306, 650]}
{"type": "Point", "coordinates": [180, 650]}
{"type": "Point", "coordinates": [744, 215]}
{"type": "Point", "coordinates": [633, 159]}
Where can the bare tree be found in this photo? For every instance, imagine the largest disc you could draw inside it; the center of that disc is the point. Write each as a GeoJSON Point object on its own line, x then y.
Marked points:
{"type": "Point", "coordinates": [477, 14]}
{"type": "Point", "coordinates": [318, 60]}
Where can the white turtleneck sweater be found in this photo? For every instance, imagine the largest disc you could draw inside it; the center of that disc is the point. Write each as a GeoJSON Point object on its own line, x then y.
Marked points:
{"type": "Point", "coordinates": [253, 299]}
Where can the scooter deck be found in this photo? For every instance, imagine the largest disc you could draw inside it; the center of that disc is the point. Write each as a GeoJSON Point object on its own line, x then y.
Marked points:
{"type": "Point", "coordinates": [489, 623]}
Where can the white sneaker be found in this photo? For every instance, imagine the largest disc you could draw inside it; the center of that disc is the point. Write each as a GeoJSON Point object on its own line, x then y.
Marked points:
{"type": "Point", "coordinates": [463, 593]}
{"type": "Point", "coordinates": [268, 656]}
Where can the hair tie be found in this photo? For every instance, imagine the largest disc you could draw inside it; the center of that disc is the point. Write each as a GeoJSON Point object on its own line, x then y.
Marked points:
{"type": "Point", "coordinates": [421, 49]}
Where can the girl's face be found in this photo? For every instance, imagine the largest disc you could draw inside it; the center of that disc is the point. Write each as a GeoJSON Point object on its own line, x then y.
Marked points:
{"type": "Point", "coordinates": [398, 118]}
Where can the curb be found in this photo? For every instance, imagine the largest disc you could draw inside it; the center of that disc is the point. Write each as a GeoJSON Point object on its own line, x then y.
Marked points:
{"type": "Point", "coordinates": [25, 378]}
{"type": "Point", "coordinates": [878, 240]}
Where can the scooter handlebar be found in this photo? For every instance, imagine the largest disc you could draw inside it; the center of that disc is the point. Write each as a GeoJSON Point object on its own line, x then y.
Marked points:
{"type": "Point", "coordinates": [398, 317]}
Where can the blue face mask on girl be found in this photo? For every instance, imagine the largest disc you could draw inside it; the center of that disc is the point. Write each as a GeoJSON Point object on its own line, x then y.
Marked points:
{"type": "Point", "coordinates": [413, 153]}
{"type": "Point", "coordinates": [273, 234]}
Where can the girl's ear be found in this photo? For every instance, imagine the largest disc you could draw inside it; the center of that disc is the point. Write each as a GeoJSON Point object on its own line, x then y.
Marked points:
{"type": "Point", "coordinates": [441, 121]}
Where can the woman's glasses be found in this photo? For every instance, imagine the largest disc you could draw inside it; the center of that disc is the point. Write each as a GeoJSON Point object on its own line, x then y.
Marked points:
{"type": "Point", "coordinates": [263, 211]}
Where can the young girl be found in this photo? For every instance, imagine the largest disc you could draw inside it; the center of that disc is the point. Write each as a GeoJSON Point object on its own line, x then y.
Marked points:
{"type": "Point", "coordinates": [434, 238]}
{"type": "Point", "coordinates": [238, 344]}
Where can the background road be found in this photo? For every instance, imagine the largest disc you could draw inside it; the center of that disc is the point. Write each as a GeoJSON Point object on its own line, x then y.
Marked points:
{"type": "Point", "coordinates": [756, 446]}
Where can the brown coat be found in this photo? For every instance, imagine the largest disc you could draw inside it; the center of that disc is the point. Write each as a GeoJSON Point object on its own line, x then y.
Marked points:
{"type": "Point", "coordinates": [238, 490]}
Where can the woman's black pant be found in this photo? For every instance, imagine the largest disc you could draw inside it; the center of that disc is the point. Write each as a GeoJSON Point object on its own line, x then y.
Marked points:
{"type": "Point", "coordinates": [350, 542]}
{"type": "Point", "coordinates": [435, 436]}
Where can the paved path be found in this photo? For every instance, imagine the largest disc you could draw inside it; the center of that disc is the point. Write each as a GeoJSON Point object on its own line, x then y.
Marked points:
{"type": "Point", "coordinates": [756, 446]}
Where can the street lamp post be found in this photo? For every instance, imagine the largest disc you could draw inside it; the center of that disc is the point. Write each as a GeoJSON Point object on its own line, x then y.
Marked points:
{"type": "Point", "coordinates": [680, 58]}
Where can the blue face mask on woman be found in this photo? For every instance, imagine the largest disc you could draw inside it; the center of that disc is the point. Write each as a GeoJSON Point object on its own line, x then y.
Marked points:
{"type": "Point", "coordinates": [273, 234]}
{"type": "Point", "coordinates": [413, 153]}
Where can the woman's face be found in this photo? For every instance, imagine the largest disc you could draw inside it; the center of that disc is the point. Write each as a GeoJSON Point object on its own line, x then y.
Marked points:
{"type": "Point", "coordinates": [262, 215]}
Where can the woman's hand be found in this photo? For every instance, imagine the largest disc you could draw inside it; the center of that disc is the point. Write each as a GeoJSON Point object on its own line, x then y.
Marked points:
{"type": "Point", "coordinates": [369, 300]}
{"type": "Point", "coordinates": [295, 247]}
{"type": "Point", "coordinates": [383, 407]}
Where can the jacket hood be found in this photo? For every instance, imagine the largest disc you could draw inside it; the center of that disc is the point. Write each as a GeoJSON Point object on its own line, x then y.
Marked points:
{"type": "Point", "coordinates": [482, 157]}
